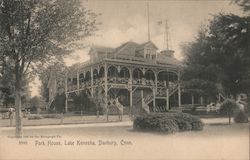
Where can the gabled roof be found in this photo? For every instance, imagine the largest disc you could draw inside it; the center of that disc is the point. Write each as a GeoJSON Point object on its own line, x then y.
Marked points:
{"type": "Point", "coordinates": [125, 44]}
{"type": "Point", "coordinates": [140, 47]}
{"type": "Point", "coordinates": [102, 49]}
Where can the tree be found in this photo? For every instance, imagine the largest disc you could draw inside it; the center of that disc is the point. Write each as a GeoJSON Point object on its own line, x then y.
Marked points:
{"type": "Point", "coordinates": [220, 55]}
{"type": "Point", "coordinates": [6, 84]}
{"type": "Point", "coordinates": [56, 70]}
{"type": "Point", "coordinates": [34, 101]}
{"type": "Point", "coordinates": [229, 36]}
{"type": "Point", "coordinates": [7, 87]}
{"type": "Point", "coordinates": [200, 74]}
{"type": "Point", "coordinates": [244, 4]}
{"type": "Point", "coordinates": [227, 108]}
{"type": "Point", "coordinates": [33, 33]}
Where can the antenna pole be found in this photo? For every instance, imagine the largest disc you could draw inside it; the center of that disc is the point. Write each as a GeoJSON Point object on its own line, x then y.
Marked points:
{"type": "Point", "coordinates": [167, 36]}
{"type": "Point", "coordinates": [148, 21]}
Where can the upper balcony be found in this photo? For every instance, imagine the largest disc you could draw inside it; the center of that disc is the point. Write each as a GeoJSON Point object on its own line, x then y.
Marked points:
{"type": "Point", "coordinates": [123, 77]}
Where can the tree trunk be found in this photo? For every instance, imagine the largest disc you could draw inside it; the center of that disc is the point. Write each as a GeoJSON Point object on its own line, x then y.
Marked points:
{"type": "Point", "coordinates": [18, 104]}
{"type": "Point", "coordinates": [229, 118]}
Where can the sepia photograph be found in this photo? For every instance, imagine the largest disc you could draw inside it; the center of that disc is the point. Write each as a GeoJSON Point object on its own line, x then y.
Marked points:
{"type": "Point", "coordinates": [124, 79]}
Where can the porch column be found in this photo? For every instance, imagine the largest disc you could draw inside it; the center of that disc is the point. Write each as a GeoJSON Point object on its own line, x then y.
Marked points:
{"type": "Point", "coordinates": [167, 99]}
{"type": "Point", "coordinates": [141, 98]}
{"type": "Point", "coordinates": [154, 94]}
{"type": "Point", "coordinates": [201, 100]}
{"type": "Point", "coordinates": [130, 100]}
{"type": "Point", "coordinates": [92, 89]}
{"type": "Point", "coordinates": [106, 89]}
{"type": "Point", "coordinates": [65, 91]}
{"type": "Point", "coordinates": [156, 79]}
{"type": "Point", "coordinates": [66, 102]}
{"type": "Point", "coordinates": [78, 84]}
{"type": "Point", "coordinates": [192, 100]}
{"type": "Point", "coordinates": [130, 91]}
{"type": "Point", "coordinates": [179, 90]}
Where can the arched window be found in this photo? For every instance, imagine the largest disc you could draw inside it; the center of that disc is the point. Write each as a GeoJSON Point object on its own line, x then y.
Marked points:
{"type": "Point", "coordinates": [81, 77]}
{"type": "Point", "coordinates": [112, 71]}
{"type": "Point", "coordinates": [101, 72]}
{"type": "Point", "coordinates": [124, 73]}
{"type": "Point", "coordinates": [137, 74]}
{"type": "Point", "coordinates": [149, 75]}
{"type": "Point", "coordinates": [95, 74]}
{"type": "Point", "coordinates": [88, 76]}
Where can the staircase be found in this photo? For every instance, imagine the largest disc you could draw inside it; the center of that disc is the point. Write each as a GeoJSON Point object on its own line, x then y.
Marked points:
{"type": "Point", "coordinates": [173, 89]}
{"type": "Point", "coordinates": [221, 96]}
{"type": "Point", "coordinates": [144, 102]}
{"type": "Point", "coordinates": [97, 101]}
{"type": "Point", "coordinates": [113, 105]}
{"type": "Point", "coordinates": [149, 98]}
{"type": "Point", "coordinates": [145, 107]}
{"type": "Point", "coordinates": [50, 103]}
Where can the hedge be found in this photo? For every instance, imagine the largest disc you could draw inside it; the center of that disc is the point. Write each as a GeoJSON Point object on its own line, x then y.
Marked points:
{"type": "Point", "coordinates": [167, 122]}
{"type": "Point", "coordinates": [35, 117]}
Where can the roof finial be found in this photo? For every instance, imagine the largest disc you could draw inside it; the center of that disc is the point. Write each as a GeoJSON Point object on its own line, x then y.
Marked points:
{"type": "Point", "coordinates": [148, 21]}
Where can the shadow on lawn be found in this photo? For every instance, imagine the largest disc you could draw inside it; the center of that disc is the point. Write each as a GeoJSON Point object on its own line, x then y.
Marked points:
{"type": "Point", "coordinates": [219, 124]}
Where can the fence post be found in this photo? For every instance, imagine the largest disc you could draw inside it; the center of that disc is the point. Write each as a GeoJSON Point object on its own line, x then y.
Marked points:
{"type": "Point", "coordinates": [81, 115]}
{"type": "Point", "coordinates": [61, 119]}
{"type": "Point", "coordinates": [11, 120]}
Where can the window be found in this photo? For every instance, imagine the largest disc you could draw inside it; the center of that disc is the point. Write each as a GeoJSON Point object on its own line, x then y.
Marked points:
{"type": "Point", "coordinates": [153, 56]}
{"type": "Point", "coordinates": [147, 56]}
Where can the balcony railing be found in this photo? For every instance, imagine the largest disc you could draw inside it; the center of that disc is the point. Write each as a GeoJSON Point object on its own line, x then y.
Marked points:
{"type": "Point", "coordinates": [161, 85]}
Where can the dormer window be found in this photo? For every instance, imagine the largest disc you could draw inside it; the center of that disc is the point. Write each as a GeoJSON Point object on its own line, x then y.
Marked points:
{"type": "Point", "coordinates": [150, 53]}
{"type": "Point", "coordinates": [153, 56]}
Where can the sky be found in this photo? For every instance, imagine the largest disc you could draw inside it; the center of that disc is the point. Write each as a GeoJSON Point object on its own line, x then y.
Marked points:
{"type": "Point", "coordinates": [126, 20]}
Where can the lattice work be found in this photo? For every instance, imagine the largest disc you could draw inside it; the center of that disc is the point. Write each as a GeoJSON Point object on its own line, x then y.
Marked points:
{"type": "Point", "coordinates": [113, 110]}
{"type": "Point", "coordinates": [115, 107]}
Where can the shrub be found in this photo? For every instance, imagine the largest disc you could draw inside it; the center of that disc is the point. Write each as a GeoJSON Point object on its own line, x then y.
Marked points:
{"type": "Point", "coordinates": [168, 122]}
{"type": "Point", "coordinates": [35, 117]}
{"type": "Point", "coordinates": [155, 122]}
{"type": "Point", "coordinates": [57, 116]}
{"type": "Point", "coordinates": [227, 108]}
{"type": "Point", "coordinates": [188, 122]}
{"type": "Point", "coordinates": [240, 117]}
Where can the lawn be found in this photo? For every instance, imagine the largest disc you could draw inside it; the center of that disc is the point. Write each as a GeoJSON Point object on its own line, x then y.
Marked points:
{"type": "Point", "coordinates": [66, 120]}
{"type": "Point", "coordinates": [218, 140]}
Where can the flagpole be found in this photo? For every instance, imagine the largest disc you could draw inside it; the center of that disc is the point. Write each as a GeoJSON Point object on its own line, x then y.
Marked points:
{"type": "Point", "coordinates": [148, 21]}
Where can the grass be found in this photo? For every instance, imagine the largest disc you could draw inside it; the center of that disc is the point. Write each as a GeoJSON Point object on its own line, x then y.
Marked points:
{"type": "Point", "coordinates": [214, 142]}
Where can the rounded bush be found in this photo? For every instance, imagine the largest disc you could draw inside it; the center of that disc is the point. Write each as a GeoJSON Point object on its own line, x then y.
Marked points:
{"type": "Point", "coordinates": [188, 121]}
{"type": "Point", "coordinates": [240, 117]}
{"type": "Point", "coordinates": [168, 122]}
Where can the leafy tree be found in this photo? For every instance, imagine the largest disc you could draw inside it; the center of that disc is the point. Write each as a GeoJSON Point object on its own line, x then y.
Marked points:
{"type": "Point", "coordinates": [7, 88]}
{"type": "Point", "coordinates": [200, 75]}
{"type": "Point", "coordinates": [6, 83]}
{"type": "Point", "coordinates": [56, 70]}
{"type": "Point", "coordinates": [60, 103]}
{"type": "Point", "coordinates": [227, 108]}
{"type": "Point", "coordinates": [219, 56]}
{"type": "Point", "coordinates": [229, 36]}
{"type": "Point", "coordinates": [245, 4]}
{"type": "Point", "coordinates": [34, 101]}
{"type": "Point", "coordinates": [33, 33]}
